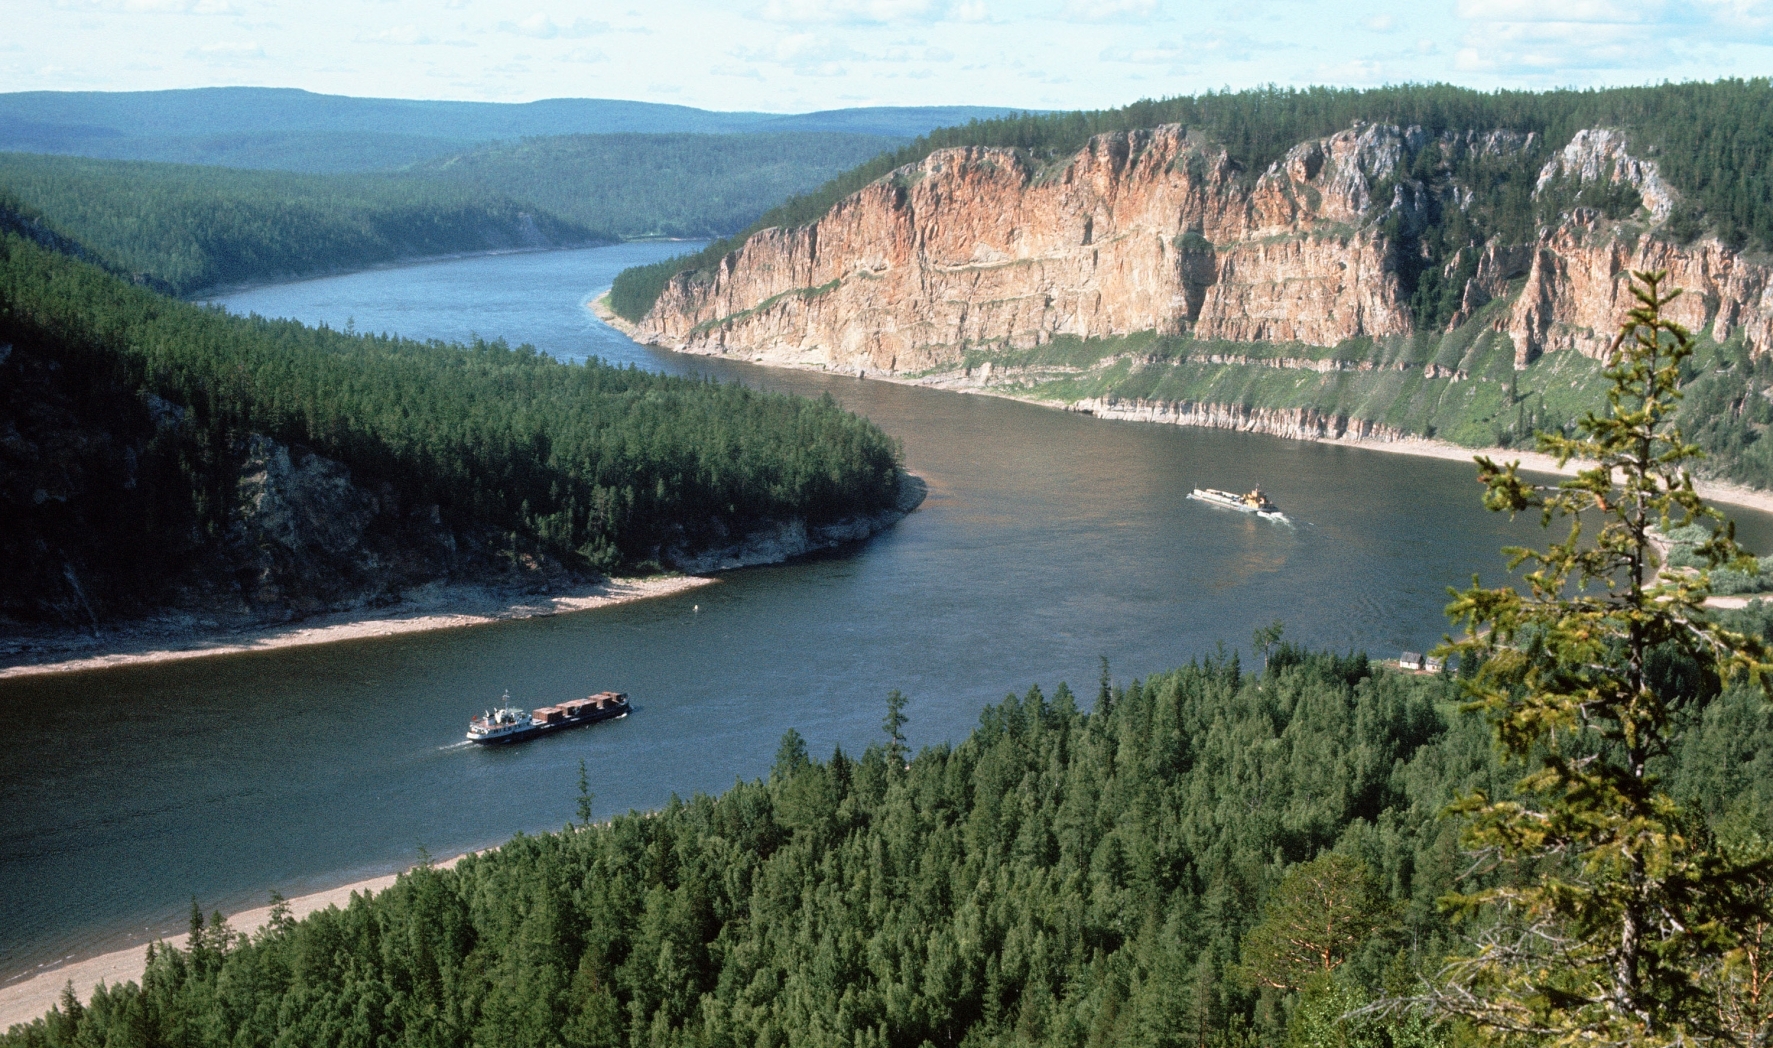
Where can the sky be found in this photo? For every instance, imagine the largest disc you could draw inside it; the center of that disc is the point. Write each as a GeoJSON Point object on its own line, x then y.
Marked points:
{"type": "Point", "coordinates": [799, 55]}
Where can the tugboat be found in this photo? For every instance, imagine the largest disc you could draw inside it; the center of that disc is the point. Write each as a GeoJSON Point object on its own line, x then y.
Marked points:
{"type": "Point", "coordinates": [1253, 501]}
{"type": "Point", "coordinates": [510, 723]}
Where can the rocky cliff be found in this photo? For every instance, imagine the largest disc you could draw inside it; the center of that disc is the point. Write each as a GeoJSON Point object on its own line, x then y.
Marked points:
{"type": "Point", "coordinates": [980, 249]}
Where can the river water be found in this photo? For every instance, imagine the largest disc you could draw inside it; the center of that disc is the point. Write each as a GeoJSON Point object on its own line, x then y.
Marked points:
{"type": "Point", "coordinates": [1048, 539]}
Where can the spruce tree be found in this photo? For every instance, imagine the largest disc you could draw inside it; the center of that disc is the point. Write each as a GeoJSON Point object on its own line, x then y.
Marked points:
{"type": "Point", "coordinates": [1601, 911]}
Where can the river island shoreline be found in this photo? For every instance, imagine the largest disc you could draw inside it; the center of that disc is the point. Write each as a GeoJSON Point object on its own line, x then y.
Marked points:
{"type": "Point", "coordinates": [431, 608]}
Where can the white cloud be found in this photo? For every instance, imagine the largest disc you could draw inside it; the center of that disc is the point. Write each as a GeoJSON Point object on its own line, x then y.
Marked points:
{"type": "Point", "coordinates": [870, 12]}
{"type": "Point", "coordinates": [1109, 10]}
{"type": "Point", "coordinates": [806, 54]}
{"type": "Point", "coordinates": [728, 69]}
{"type": "Point", "coordinates": [586, 55]}
{"type": "Point", "coordinates": [1169, 52]}
{"type": "Point", "coordinates": [1579, 38]}
{"type": "Point", "coordinates": [236, 52]}
{"type": "Point", "coordinates": [176, 7]}
{"type": "Point", "coordinates": [1379, 23]}
{"type": "Point", "coordinates": [408, 34]}
{"type": "Point", "coordinates": [1164, 53]}
{"type": "Point", "coordinates": [1568, 11]}
{"type": "Point", "coordinates": [543, 27]}
{"type": "Point", "coordinates": [1362, 71]}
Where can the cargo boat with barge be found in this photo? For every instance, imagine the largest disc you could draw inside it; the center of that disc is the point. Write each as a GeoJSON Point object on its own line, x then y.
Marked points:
{"type": "Point", "coordinates": [509, 723]}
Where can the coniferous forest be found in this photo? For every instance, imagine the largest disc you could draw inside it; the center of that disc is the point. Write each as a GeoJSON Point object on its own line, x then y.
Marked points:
{"type": "Point", "coordinates": [678, 185]}
{"type": "Point", "coordinates": [186, 229]}
{"type": "Point", "coordinates": [1118, 870]}
{"type": "Point", "coordinates": [130, 413]}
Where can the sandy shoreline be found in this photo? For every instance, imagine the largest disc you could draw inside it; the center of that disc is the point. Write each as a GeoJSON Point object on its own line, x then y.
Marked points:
{"type": "Point", "coordinates": [437, 608]}
{"type": "Point", "coordinates": [30, 998]}
{"type": "Point", "coordinates": [1422, 447]}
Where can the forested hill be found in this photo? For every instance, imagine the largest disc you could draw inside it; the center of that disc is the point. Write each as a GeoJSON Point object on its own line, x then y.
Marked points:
{"type": "Point", "coordinates": [157, 453]}
{"type": "Point", "coordinates": [1712, 141]}
{"type": "Point", "coordinates": [1121, 878]}
{"type": "Point", "coordinates": [191, 228]}
{"type": "Point", "coordinates": [683, 185]}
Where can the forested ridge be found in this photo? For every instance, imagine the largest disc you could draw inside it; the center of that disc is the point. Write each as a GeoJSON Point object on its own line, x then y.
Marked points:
{"type": "Point", "coordinates": [187, 229]}
{"type": "Point", "coordinates": [128, 416]}
{"type": "Point", "coordinates": [1712, 142]}
{"type": "Point", "coordinates": [1060, 877]}
{"type": "Point", "coordinates": [633, 185]}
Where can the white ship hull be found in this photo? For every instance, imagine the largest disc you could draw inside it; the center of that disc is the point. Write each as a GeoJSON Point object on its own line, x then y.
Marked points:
{"type": "Point", "coordinates": [1254, 502]}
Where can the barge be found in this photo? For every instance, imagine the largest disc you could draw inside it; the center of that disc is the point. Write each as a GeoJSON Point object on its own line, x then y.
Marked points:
{"type": "Point", "coordinates": [510, 723]}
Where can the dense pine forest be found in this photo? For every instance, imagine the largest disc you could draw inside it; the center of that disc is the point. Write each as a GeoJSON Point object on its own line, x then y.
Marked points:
{"type": "Point", "coordinates": [187, 229]}
{"type": "Point", "coordinates": [681, 185]}
{"type": "Point", "coordinates": [1712, 141]}
{"type": "Point", "coordinates": [1116, 877]}
{"type": "Point", "coordinates": [128, 418]}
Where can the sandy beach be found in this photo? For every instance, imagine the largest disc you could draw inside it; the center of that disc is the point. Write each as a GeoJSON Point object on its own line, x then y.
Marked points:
{"type": "Point", "coordinates": [29, 998]}
{"type": "Point", "coordinates": [432, 608]}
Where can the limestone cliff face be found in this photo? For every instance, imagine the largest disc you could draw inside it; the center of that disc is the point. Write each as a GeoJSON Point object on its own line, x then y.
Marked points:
{"type": "Point", "coordinates": [1155, 230]}
{"type": "Point", "coordinates": [1297, 423]}
{"type": "Point", "coordinates": [1139, 231]}
{"type": "Point", "coordinates": [1578, 289]}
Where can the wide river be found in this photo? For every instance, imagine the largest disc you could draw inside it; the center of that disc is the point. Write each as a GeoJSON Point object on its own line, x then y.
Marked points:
{"type": "Point", "coordinates": [1048, 539]}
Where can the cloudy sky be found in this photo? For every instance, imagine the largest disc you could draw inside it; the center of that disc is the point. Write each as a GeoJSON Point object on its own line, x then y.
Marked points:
{"type": "Point", "coordinates": [797, 55]}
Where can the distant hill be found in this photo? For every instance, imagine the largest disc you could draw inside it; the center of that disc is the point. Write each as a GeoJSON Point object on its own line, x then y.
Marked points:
{"type": "Point", "coordinates": [185, 229]}
{"type": "Point", "coordinates": [286, 129]}
{"type": "Point", "coordinates": [678, 185]}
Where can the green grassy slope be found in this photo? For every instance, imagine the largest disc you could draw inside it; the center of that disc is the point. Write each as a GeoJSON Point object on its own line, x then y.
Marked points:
{"type": "Point", "coordinates": [1484, 402]}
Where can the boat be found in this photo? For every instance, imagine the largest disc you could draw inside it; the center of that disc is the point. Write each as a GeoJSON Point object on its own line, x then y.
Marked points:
{"type": "Point", "coordinates": [511, 723]}
{"type": "Point", "coordinates": [1252, 501]}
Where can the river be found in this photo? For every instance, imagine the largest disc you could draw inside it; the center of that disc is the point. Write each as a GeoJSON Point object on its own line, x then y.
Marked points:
{"type": "Point", "coordinates": [1048, 539]}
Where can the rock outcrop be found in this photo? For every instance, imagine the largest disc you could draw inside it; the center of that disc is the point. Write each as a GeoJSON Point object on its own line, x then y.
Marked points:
{"type": "Point", "coordinates": [1297, 423]}
{"type": "Point", "coordinates": [1155, 230]}
{"type": "Point", "coordinates": [1139, 231]}
{"type": "Point", "coordinates": [1578, 288]}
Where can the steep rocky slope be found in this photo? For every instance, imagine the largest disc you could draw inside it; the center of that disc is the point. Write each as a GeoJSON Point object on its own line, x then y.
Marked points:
{"type": "Point", "coordinates": [955, 269]}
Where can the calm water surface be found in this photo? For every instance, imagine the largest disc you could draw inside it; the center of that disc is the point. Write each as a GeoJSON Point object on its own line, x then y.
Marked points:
{"type": "Point", "coordinates": [1048, 539]}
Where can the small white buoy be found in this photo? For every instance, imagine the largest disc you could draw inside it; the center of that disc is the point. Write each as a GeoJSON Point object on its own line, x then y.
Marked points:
{"type": "Point", "coordinates": [697, 608]}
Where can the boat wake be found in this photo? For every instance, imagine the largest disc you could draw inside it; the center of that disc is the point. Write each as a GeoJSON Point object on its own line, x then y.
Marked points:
{"type": "Point", "coordinates": [464, 744]}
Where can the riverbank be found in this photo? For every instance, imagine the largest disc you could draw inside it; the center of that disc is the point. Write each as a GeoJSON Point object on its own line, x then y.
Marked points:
{"type": "Point", "coordinates": [30, 998]}
{"type": "Point", "coordinates": [1422, 447]}
{"type": "Point", "coordinates": [436, 607]}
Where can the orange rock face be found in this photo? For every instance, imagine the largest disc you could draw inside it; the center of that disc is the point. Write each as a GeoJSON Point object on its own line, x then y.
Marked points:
{"type": "Point", "coordinates": [1153, 230]}
{"type": "Point", "coordinates": [1139, 231]}
{"type": "Point", "coordinates": [1579, 289]}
